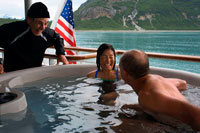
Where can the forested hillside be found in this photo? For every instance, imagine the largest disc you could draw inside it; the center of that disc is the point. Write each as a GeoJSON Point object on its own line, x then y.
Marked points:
{"type": "Point", "coordinates": [138, 15]}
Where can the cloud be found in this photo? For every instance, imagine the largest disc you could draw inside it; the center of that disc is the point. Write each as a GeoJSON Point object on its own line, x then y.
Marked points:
{"type": "Point", "coordinates": [14, 9]}
{"type": "Point", "coordinates": [77, 3]}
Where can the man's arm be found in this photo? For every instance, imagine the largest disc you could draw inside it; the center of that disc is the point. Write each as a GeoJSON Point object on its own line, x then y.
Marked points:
{"type": "Point", "coordinates": [63, 59]}
{"type": "Point", "coordinates": [55, 40]}
{"type": "Point", "coordinates": [180, 110]}
{"type": "Point", "coordinates": [1, 66]}
{"type": "Point", "coordinates": [136, 107]}
{"type": "Point", "coordinates": [185, 112]}
{"type": "Point", "coordinates": [1, 69]}
{"type": "Point", "coordinates": [179, 83]}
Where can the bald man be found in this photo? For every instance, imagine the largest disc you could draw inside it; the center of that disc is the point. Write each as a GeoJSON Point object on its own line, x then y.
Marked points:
{"type": "Point", "coordinates": [157, 94]}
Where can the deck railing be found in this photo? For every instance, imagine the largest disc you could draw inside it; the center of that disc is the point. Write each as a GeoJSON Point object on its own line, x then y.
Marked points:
{"type": "Point", "coordinates": [150, 54]}
{"type": "Point", "coordinates": [92, 54]}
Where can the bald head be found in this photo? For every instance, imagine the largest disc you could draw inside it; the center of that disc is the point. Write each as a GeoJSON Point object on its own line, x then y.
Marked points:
{"type": "Point", "coordinates": [135, 62]}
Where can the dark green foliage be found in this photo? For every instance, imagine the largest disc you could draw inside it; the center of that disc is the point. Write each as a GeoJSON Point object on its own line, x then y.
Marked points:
{"type": "Point", "coordinates": [165, 15]}
{"type": "Point", "coordinates": [5, 21]}
{"type": "Point", "coordinates": [102, 23]}
{"type": "Point", "coordinates": [169, 16]}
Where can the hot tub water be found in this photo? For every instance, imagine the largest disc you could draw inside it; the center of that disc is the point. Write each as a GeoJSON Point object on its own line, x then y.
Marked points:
{"type": "Point", "coordinates": [71, 105]}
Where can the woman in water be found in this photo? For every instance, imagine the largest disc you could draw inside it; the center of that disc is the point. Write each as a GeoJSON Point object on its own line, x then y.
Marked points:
{"type": "Point", "coordinates": [106, 60]}
{"type": "Point", "coordinates": [107, 72]}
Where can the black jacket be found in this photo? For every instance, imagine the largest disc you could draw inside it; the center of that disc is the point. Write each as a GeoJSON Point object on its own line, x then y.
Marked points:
{"type": "Point", "coordinates": [22, 49]}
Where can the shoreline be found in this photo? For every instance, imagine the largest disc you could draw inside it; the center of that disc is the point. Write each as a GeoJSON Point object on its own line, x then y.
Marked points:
{"type": "Point", "coordinates": [137, 31]}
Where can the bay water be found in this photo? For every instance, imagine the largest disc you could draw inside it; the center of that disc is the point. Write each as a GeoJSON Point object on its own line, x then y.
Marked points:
{"type": "Point", "coordinates": [183, 43]}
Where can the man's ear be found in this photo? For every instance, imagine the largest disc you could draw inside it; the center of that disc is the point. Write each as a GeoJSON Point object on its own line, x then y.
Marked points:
{"type": "Point", "coordinates": [126, 73]}
{"type": "Point", "coordinates": [28, 20]}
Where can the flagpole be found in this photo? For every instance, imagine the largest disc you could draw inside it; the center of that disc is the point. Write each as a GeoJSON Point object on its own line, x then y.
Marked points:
{"type": "Point", "coordinates": [53, 25]}
{"type": "Point", "coordinates": [58, 12]}
{"type": "Point", "coordinates": [27, 4]}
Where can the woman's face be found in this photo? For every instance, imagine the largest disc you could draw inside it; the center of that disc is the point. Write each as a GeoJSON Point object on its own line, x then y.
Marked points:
{"type": "Point", "coordinates": [107, 60]}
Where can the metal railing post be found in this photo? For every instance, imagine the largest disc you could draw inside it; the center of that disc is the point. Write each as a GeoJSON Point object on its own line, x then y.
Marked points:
{"type": "Point", "coordinates": [52, 61]}
{"type": "Point", "coordinates": [27, 4]}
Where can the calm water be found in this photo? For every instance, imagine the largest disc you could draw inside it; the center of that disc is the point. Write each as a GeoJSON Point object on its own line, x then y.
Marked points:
{"type": "Point", "coordinates": [186, 43]}
{"type": "Point", "coordinates": [73, 105]}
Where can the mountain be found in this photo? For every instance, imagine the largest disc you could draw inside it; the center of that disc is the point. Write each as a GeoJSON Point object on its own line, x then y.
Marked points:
{"type": "Point", "coordinates": [138, 15]}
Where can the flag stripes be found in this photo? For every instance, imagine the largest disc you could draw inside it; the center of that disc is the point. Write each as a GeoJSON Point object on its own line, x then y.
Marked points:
{"type": "Point", "coordinates": [65, 26]}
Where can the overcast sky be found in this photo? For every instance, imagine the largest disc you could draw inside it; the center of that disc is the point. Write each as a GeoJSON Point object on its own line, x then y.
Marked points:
{"type": "Point", "coordinates": [15, 8]}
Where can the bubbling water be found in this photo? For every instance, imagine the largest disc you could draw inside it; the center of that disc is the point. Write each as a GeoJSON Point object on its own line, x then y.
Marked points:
{"type": "Point", "coordinates": [192, 94]}
{"type": "Point", "coordinates": [83, 105]}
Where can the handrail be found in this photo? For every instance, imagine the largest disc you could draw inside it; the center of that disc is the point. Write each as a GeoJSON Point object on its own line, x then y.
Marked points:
{"type": "Point", "coordinates": [93, 55]}
{"type": "Point", "coordinates": [81, 49]}
{"type": "Point", "coordinates": [74, 57]}
{"type": "Point", "coordinates": [69, 57]}
{"type": "Point", "coordinates": [174, 56]}
{"type": "Point", "coordinates": [150, 54]}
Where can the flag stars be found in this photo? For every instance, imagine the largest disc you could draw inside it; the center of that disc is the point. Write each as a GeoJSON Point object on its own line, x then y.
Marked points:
{"type": "Point", "coordinates": [67, 13]}
{"type": "Point", "coordinates": [67, 19]}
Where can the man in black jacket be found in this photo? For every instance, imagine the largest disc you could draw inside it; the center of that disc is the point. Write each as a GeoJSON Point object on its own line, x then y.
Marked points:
{"type": "Point", "coordinates": [25, 42]}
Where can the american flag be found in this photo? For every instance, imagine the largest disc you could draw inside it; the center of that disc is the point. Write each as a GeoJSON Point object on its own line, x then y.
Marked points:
{"type": "Point", "coordinates": [65, 26]}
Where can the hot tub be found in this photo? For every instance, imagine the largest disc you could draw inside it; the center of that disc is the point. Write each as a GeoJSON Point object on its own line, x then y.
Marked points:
{"type": "Point", "coordinates": [61, 108]}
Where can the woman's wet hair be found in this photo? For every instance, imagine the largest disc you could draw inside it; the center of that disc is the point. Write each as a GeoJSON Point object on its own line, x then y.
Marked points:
{"type": "Point", "coordinates": [136, 63]}
{"type": "Point", "coordinates": [100, 51]}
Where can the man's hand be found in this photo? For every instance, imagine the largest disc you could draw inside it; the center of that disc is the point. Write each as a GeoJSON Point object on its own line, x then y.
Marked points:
{"type": "Point", "coordinates": [62, 58]}
{"type": "Point", "coordinates": [179, 83]}
{"type": "Point", "coordinates": [136, 107]}
{"type": "Point", "coordinates": [1, 69]}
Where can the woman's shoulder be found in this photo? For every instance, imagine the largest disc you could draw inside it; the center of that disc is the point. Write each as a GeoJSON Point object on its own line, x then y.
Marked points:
{"type": "Point", "coordinates": [91, 74]}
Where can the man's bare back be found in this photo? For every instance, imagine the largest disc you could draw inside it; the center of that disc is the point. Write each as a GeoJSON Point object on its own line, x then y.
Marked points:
{"type": "Point", "coordinates": [156, 86]}
{"type": "Point", "coordinates": [157, 94]}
